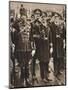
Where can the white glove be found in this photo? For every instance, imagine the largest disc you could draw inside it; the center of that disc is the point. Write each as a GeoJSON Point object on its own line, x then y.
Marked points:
{"type": "Point", "coordinates": [33, 52]}
{"type": "Point", "coordinates": [51, 50]}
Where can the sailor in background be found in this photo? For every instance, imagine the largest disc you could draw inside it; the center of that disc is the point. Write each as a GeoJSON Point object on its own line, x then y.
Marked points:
{"type": "Point", "coordinates": [46, 44]}
{"type": "Point", "coordinates": [53, 31]}
{"type": "Point", "coordinates": [59, 44]}
{"type": "Point", "coordinates": [57, 41]}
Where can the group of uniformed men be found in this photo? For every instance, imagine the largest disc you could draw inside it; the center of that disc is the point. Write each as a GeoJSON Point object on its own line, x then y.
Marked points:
{"type": "Point", "coordinates": [43, 33]}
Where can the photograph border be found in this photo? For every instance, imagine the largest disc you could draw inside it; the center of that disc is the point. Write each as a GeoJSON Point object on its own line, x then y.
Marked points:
{"type": "Point", "coordinates": [66, 42]}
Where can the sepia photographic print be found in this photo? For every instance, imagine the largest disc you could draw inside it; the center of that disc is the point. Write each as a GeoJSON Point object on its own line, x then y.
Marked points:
{"type": "Point", "coordinates": [37, 44]}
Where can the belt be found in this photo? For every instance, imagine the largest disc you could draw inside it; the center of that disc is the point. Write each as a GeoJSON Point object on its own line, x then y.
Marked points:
{"type": "Point", "coordinates": [36, 36]}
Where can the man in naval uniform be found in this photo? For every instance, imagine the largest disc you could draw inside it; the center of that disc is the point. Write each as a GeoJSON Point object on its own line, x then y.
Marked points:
{"type": "Point", "coordinates": [57, 41]}
{"type": "Point", "coordinates": [41, 43]}
{"type": "Point", "coordinates": [53, 31]}
{"type": "Point", "coordinates": [46, 44]}
{"type": "Point", "coordinates": [59, 44]}
{"type": "Point", "coordinates": [36, 26]}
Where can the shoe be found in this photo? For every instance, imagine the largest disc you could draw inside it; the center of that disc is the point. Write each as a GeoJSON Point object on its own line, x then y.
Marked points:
{"type": "Point", "coordinates": [34, 78]}
{"type": "Point", "coordinates": [60, 72]}
{"type": "Point", "coordinates": [11, 86]}
{"type": "Point", "coordinates": [44, 80]}
{"type": "Point", "coordinates": [28, 83]}
{"type": "Point", "coordinates": [48, 79]}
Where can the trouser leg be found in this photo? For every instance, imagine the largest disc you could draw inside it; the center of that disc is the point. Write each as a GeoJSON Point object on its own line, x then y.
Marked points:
{"type": "Point", "coordinates": [33, 66]}
{"type": "Point", "coordinates": [60, 64]}
{"type": "Point", "coordinates": [46, 69]}
{"type": "Point", "coordinates": [26, 69]}
{"type": "Point", "coordinates": [23, 71]}
{"type": "Point", "coordinates": [42, 70]}
{"type": "Point", "coordinates": [55, 64]}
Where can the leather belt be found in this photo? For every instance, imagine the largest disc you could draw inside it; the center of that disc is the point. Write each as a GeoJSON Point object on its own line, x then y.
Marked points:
{"type": "Point", "coordinates": [37, 36]}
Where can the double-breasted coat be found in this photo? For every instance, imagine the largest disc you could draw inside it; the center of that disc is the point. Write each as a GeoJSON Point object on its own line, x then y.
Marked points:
{"type": "Point", "coordinates": [59, 42]}
{"type": "Point", "coordinates": [41, 36]}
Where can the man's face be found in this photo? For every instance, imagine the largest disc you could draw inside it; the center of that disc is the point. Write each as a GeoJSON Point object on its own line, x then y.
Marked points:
{"type": "Point", "coordinates": [23, 18]}
{"type": "Point", "coordinates": [49, 14]}
{"type": "Point", "coordinates": [57, 20]}
{"type": "Point", "coordinates": [44, 17]}
{"type": "Point", "coordinates": [52, 19]}
{"type": "Point", "coordinates": [32, 18]}
{"type": "Point", "coordinates": [37, 16]}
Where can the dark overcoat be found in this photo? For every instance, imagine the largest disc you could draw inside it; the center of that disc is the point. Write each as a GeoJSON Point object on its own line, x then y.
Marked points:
{"type": "Point", "coordinates": [53, 32]}
{"type": "Point", "coordinates": [59, 42]}
{"type": "Point", "coordinates": [41, 36]}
